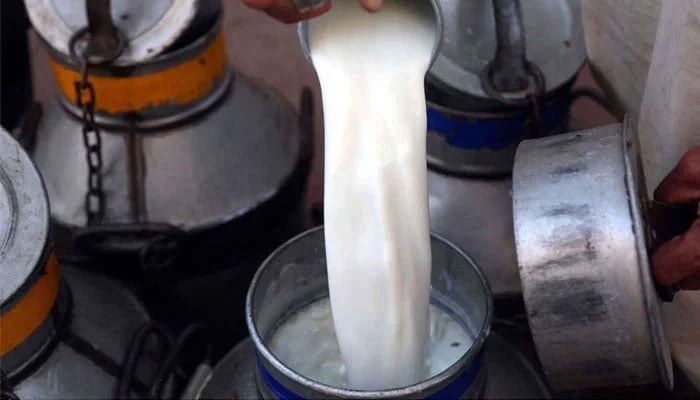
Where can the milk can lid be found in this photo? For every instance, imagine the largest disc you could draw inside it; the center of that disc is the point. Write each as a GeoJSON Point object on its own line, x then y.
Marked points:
{"type": "Point", "coordinates": [554, 43]}
{"type": "Point", "coordinates": [24, 218]}
{"type": "Point", "coordinates": [149, 27]}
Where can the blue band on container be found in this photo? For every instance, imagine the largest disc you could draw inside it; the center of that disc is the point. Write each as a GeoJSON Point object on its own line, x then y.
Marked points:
{"type": "Point", "coordinates": [275, 387]}
{"type": "Point", "coordinates": [453, 390]}
{"type": "Point", "coordinates": [459, 386]}
{"type": "Point", "coordinates": [493, 133]}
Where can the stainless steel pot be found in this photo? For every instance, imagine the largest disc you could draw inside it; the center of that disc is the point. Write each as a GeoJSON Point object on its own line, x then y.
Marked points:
{"type": "Point", "coordinates": [580, 240]}
{"type": "Point", "coordinates": [295, 275]}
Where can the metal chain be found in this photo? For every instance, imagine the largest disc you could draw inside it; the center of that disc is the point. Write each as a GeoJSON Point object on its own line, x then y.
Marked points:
{"type": "Point", "coordinates": [85, 99]}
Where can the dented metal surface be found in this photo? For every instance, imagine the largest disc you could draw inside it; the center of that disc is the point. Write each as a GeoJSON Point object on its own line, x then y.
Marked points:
{"type": "Point", "coordinates": [584, 269]}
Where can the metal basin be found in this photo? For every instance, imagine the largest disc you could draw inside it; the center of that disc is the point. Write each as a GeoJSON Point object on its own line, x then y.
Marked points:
{"type": "Point", "coordinates": [295, 275]}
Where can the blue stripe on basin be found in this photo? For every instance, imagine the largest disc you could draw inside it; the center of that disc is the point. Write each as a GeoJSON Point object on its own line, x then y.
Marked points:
{"type": "Point", "coordinates": [453, 390]}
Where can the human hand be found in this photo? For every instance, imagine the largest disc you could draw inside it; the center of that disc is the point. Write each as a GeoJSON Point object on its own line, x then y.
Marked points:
{"type": "Point", "coordinates": [678, 260]}
{"type": "Point", "coordinates": [285, 11]}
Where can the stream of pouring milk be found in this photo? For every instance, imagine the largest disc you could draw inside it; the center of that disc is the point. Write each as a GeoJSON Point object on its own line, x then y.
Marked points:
{"type": "Point", "coordinates": [371, 69]}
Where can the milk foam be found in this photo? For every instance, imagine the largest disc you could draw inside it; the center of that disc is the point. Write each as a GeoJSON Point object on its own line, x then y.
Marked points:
{"type": "Point", "coordinates": [306, 342]}
{"type": "Point", "coordinates": [371, 69]}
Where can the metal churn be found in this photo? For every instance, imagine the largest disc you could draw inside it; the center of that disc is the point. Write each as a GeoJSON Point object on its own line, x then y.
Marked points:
{"type": "Point", "coordinates": [503, 74]}
{"type": "Point", "coordinates": [64, 332]}
{"type": "Point", "coordinates": [161, 162]}
{"type": "Point", "coordinates": [155, 148]}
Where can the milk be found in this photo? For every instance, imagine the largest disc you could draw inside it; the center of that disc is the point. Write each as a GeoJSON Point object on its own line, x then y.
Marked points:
{"type": "Point", "coordinates": [306, 342]}
{"type": "Point", "coordinates": [371, 69]}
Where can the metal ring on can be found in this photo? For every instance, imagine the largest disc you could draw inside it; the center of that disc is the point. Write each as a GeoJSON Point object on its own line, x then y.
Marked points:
{"type": "Point", "coordinates": [150, 27]}
{"type": "Point", "coordinates": [98, 59]}
{"type": "Point", "coordinates": [535, 88]}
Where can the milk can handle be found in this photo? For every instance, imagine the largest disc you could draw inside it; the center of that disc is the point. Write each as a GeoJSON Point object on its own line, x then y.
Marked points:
{"type": "Point", "coordinates": [508, 67]}
{"type": "Point", "coordinates": [510, 71]}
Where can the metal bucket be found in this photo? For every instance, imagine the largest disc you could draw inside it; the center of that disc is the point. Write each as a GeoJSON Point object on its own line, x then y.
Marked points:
{"type": "Point", "coordinates": [295, 276]}
{"type": "Point", "coordinates": [580, 239]}
{"type": "Point", "coordinates": [303, 32]}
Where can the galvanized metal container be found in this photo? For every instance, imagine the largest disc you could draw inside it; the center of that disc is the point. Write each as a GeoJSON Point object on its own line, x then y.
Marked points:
{"type": "Point", "coordinates": [472, 134]}
{"type": "Point", "coordinates": [580, 239]}
{"type": "Point", "coordinates": [64, 333]}
{"type": "Point", "coordinates": [186, 142]}
{"type": "Point", "coordinates": [304, 26]}
{"type": "Point", "coordinates": [295, 275]}
{"type": "Point", "coordinates": [203, 174]}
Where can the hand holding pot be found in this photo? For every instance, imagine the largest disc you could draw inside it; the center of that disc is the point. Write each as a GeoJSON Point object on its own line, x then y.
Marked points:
{"type": "Point", "coordinates": [678, 260]}
{"type": "Point", "coordinates": [291, 11]}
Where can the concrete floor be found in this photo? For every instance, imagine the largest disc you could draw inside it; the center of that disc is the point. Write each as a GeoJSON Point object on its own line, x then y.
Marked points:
{"type": "Point", "coordinates": [263, 48]}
